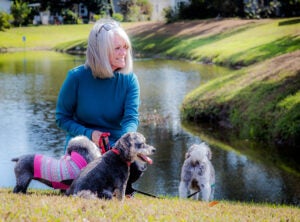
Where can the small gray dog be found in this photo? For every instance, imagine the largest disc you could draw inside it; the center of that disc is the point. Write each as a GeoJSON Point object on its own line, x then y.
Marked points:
{"type": "Point", "coordinates": [56, 173]}
{"type": "Point", "coordinates": [108, 175]}
{"type": "Point", "coordinates": [197, 173]}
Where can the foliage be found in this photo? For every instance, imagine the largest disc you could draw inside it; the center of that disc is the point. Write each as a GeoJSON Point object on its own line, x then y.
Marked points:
{"type": "Point", "coordinates": [125, 8]}
{"type": "Point", "coordinates": [20, 12]}
{"type": "Point", "coordinates": [135, 10]}
{"type": "Point", "coordinates": [200, 9]}
{"type": "Point", "coordinates": [118, 17]}
{"type": "Point", "coordinates": [69, 17]}
{"type": "Point", "coordinates": [290, 8]}
{"type": "Point", "coordinates": [170, 15]}
{"type": "Point", "coordinates": [5, 19]}
{"type": "Point", "coordinates": [258, 9]}
{"type": "Point", "coordinates": [196, 9]}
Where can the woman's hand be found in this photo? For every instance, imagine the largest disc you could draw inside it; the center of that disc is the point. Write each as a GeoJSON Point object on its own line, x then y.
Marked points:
{"type": "Point", "coordinates": [101, 139]}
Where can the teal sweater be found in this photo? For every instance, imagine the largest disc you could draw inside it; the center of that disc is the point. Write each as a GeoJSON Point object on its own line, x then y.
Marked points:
{"type": "Point", "coordinates": [86, 103]}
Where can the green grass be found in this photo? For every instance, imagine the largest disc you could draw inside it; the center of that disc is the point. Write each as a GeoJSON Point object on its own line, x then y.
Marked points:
{"type": "Point", "coordinates": [254, 44]}
{"type": "Point", "coordinates": [238, 46]}
{"type": "Point", "coordinates": [243, 45]}
{"type": "Point", "coordinates": [45, 37]}
{"type": "Point", "coordinates": [51, 206]}
{"type": "Point", "coordinates": [261, 101]}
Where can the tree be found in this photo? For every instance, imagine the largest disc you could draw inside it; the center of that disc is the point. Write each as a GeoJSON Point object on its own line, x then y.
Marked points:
{"type": "Point", "coordinates": [227, 8]}
{"type": "Point", "coordinates": [20, 12]}
{"type": "Point", "coordinates": [260, 9]}
{"type": "Point", "coordinates": [135, 10]}
{"type": "Point", "coordinates": [4, 21]}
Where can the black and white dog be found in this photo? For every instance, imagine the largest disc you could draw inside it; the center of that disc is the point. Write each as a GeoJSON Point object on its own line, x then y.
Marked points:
{"type": "Point", "coordinates": [197, 173]}
{"type": "Point", "coordinates": [108, 175]}
{"type": "Point", "coordinates": [56, 173]}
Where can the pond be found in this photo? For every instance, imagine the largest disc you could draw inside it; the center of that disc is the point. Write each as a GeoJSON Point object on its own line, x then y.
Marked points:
{"type": "Point", "coordinates": [245, 171]}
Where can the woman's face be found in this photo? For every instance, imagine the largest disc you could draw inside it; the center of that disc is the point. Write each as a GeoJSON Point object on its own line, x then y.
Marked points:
{"type": "Point", "coordinates": [117, 58]}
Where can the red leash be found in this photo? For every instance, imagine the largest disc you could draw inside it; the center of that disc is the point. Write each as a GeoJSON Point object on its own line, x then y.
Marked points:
{"type": "Point", "coordinates": [102, 144]}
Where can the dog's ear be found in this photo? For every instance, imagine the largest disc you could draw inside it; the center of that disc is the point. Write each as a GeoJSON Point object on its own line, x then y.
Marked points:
{"type": "Point", "coordinates": [187, 155]}
{"type": "Point", "coordinates": [209, 153]}
{"type": "Point", "coordinates": [124, 144]}
{"type": "Point", "coordinates": [126, 140]}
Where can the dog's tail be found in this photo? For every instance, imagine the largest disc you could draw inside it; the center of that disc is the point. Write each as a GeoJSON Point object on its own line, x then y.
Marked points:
{"type": "Point", "coordinates": [15, 159]}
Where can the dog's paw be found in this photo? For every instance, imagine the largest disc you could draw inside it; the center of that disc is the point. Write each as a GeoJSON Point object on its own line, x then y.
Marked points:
{"type": "Point", "coordinates": [86, 194]}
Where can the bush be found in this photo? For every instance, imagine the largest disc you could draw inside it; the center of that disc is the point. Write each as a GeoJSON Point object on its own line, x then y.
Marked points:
{"type": "Point", "coordinates": [20, 12]}
{"type": "Point", "coordinates": [70, 17]}
{"type": "Point", "coordinates": [170, 15]}
{"type": "Point", "coordinates": [5, 21]}
{"type": "Point", "coordinates": [118, 17]}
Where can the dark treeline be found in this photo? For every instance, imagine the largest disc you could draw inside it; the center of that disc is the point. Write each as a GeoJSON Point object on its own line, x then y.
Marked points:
{"type": "Point", "coordinates": [200, 9]}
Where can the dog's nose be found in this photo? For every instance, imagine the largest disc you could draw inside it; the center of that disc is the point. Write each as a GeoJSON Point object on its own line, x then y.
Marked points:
{"type": "Point", "coordinates": [153, 149]}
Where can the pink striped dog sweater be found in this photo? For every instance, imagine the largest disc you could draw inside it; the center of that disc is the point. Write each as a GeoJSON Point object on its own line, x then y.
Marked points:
{"type": "Point", "coordinates": [54, 170]}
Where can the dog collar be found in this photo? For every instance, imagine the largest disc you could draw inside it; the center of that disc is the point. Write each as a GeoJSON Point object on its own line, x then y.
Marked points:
{"type": "Point", "coordinates": [118, 153]}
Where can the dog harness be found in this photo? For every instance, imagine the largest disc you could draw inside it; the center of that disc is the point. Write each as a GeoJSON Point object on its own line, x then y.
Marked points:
{"type": "Point", "coordinates": [54, 170]}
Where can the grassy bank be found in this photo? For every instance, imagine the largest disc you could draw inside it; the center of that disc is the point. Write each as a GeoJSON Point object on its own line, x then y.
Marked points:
{"type": "Point", "coordinates": [50, 206]}
{"type": "Point", "coordinates": [231, 42]}
{"type": "Point", "coordinates": [260, 102]}
{"type": "Point", "coordinates": [42, 37]}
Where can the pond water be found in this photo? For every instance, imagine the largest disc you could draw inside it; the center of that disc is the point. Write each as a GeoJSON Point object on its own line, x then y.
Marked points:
{"type": "Point", "coordinates": [30, 82]}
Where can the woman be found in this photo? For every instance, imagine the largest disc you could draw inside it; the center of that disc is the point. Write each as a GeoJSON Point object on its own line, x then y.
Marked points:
{"type": "Point", "coordinates": [101, 98]}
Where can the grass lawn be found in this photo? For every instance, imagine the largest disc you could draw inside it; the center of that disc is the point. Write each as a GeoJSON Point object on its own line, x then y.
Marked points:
{"type": "Point", "coordinates": [228, 42]}
{"type": "Point", "coordinates": [51, 206]}
{"type": "Point", "coordinates": [43, 37]}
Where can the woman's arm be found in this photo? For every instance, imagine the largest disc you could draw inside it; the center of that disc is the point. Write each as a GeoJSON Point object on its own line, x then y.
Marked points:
{"type": "Point", "coordinates": [66, 106]}
{"type": "Point", "coordinates": [130, 119]}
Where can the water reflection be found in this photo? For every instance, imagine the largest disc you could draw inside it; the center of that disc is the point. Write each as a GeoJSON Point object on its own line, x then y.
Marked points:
{"type": "Point", "coordinates": [29, 86]}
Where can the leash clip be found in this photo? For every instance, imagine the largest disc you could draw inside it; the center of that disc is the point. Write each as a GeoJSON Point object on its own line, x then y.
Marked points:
{"type": "Point", "coordinates": [103, 146]}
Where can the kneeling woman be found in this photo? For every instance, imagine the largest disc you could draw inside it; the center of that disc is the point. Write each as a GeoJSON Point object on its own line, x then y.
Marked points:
{"type": "Point", "coordinates": [102, 96]}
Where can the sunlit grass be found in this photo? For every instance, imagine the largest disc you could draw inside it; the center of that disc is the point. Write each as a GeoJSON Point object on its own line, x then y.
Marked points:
{"type": "Point", "coordinates": [261, 101]}
{"type": "Point", "coordinates": [51, 206]}
{"type": "Point", "coordinates": [290, 101]}
{"type": "Point", "coordinates": [241, 45]}
{"type": "Point", "coordinates": [43, 36]}
{"type": "Point", "coordinates": [249, 46]}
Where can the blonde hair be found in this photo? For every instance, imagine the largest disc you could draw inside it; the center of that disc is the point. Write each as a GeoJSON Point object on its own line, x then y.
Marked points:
{"type": "Point", "coordinates": [100, 47]}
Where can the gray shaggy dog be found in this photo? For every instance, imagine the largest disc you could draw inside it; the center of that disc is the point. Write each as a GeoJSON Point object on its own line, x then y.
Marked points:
{"type": "Point", "coordinates": [197, 173]}
{"type": "Point", "coordinates": [56, 173]}
{"type": "Point", "coordinates": [108, 175]}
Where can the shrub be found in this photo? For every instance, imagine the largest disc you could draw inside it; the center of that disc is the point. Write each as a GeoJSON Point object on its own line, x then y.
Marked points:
{"type": "Point", "coordinates": [5, 20]}
{"type": "Point", "coordinates": [20, 12]}
{"type": "Point", "coordinates": [119, 17]}
{"type": "Point", "coordinates": [70, 17]}
{"type": "Point", "coordinates": [170, 15]}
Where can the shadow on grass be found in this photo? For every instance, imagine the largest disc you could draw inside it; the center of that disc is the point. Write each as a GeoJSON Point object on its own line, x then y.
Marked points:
{"type": "Point", "coordinates": [266, 51]}
{"type": "Point", "coordinates": [179, 47]}
{"type": "Point", "coordinates": [289, 22]}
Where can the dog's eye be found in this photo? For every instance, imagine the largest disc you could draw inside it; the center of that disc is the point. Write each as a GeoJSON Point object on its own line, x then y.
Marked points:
{"type": "Point", "coordinates": [138, 145]}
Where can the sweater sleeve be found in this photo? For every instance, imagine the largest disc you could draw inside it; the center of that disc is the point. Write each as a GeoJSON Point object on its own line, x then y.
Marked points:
{"type": "Point", "coordinates": [130, 119]}
{"type": "Point", "coordinates": [66, 105]}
